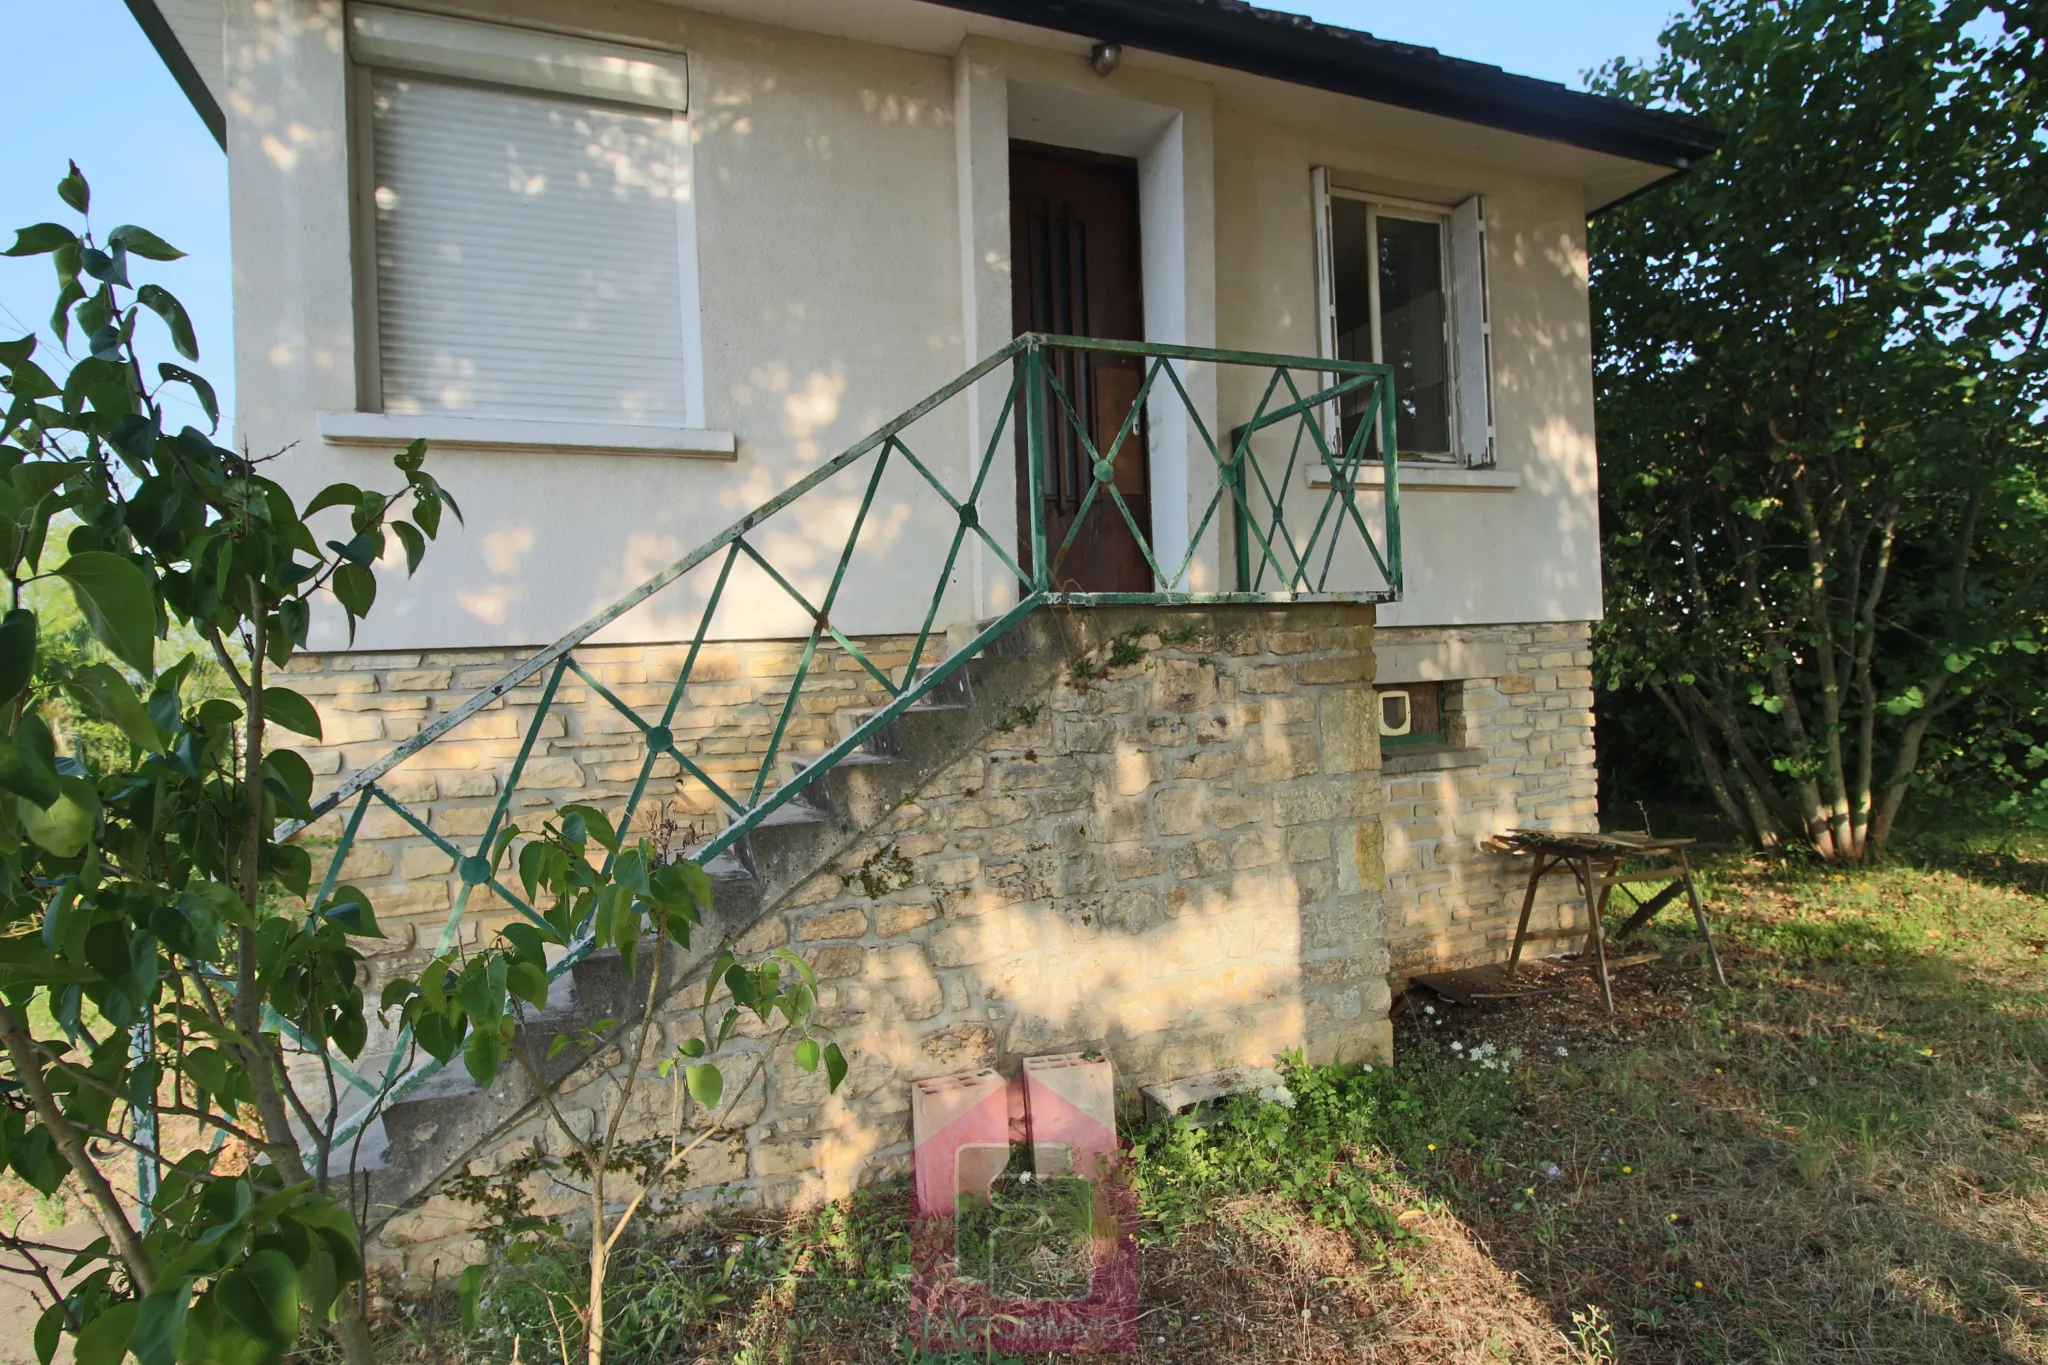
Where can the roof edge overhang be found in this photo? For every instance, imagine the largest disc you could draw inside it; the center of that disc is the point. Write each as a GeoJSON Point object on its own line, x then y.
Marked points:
{"type": "Point", "coordinates": [1301, 51]}
{"type": "Point", "coordinates": [179, 63]}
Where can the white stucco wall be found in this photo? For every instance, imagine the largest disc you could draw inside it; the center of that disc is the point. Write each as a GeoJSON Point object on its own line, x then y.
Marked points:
{"type": "Point", "coordinates": [851, 213]}
{"type": "Point", "coordinates": [1473, 555]}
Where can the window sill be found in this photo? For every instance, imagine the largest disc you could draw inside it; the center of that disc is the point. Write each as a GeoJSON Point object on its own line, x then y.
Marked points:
{"type": "Point", "coordinates": [524, 433]}
{"type": "Point", "coordinates": [1426, 758]}
{"type": "Point", "coordinates": [1427, 476]}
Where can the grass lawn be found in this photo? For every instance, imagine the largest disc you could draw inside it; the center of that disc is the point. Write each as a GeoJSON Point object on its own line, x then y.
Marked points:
{"type": "Point", "coordinates": [1844, 1157]}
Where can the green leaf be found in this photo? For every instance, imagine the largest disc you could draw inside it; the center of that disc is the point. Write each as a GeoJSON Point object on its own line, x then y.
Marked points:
{"type": "Point", "coordinates": [119, 604]}
{"type": "Point", "coordinates": [28, 762]}
{"type": "Point", "coordinates": [73, 190]}
{"type": "Point", "coordinates": [142, 242]}
{"type": "Point", "coordinates": [60, 316]}
{"type": "Point", "coordinates": [108, 696]}
{"type": "Point", "coordinates": [41, 238]}
{"type": "Point", "coordinates": [807, 1051]}
{"type": "Point", "coordinates": [67, 824]}
{"type": "Point", "coordinates": [104, 1340]}
{"type": "Point", "coordinates": [17, 652]}
{"type": "Point", "coordinates": [439, 1035]}
{"type": "Point", "coordinates": [484, 1054]}
{"type": "Point", "coordinates": [282, 706]}
{"type": "Point", "coordinates": [159, 300]}
{"type": "Point", "coordinates": [469, 1287]}
{"type": "Point", "coordinates": [704, 1084]}
{"type": "Point", "coordinates": [630, 871]}
{"type": "Point", "coordinates": [203, 391]}
{"type": "Point", "coordinates": [49, 1332]}
{"type": "Point", "coordinates": [291, 865]}
{"type": "Point", "coordinates": [835, 1066]}
{"type": "Point", "coordinates": [261, 1296]}
{"type": "Point", "coordinates": [334, 495]}
{"type": "Point", "coordinates": [30, 380]}
{"type": "Point", "coordinates": [288, 776]}
{"type": "Point", "coordinates": [106, 267]}
{"type": "Point", "coordinates": [35, 1159]}
{"type": "Point", "coordinates": [160, 1323]}
{"type": "Point", "coordinates": [355, 587]}
{"type": "Point", "coordinates": [426, 510]}
{"type": "Point", "coordinates": [528, 982]}
{"type": "Point", "coordinates": [415, 544]}
{"type": "Point", "coordinates": [96, 310]}
{"type": "Point", "coordinates": [362, 549]}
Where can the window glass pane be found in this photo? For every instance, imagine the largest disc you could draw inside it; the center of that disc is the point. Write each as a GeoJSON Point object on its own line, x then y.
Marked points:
{"type": "Point", "coordinates": [527, 255]}
{"type": "Point", "coordinates": [1351, 278]}
{"type": "Point", "coordinates": [1412, 332]}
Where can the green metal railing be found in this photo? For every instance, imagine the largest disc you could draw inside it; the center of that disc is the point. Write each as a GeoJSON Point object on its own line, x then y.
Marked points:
{"type": "Point", "coordinates": [1286, 545]}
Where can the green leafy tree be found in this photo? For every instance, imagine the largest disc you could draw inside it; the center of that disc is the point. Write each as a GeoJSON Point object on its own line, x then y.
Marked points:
{"type": "Point", "coordinates": [620, 897]}
{"type": "Point", "coordinates": [1819, 394]}
{"type": "Point", "coordinates": [148, 907]}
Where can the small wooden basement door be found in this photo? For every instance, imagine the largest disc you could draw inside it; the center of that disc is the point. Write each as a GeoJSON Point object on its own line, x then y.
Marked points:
{"type": "Point", "coordinates": [1078, 272]}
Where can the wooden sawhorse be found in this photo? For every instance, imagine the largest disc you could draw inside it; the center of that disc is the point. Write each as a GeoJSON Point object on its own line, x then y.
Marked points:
{"type": "Point", "coordinates": [1595, 861]}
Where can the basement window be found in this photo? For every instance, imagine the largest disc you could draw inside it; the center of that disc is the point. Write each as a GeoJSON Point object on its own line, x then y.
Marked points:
{"type": "Point", "coordinates": [1411, 714]}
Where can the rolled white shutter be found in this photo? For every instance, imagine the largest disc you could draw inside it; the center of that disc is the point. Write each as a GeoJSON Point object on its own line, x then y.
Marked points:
{"type": "Point", "coordinates": [1471, 334]}
{"type": "Point", "coordinates": [528, 254]}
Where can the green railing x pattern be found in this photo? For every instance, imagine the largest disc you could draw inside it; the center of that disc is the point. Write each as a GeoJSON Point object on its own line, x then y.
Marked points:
{"type": "Point", "coordinates": [1284, 545]}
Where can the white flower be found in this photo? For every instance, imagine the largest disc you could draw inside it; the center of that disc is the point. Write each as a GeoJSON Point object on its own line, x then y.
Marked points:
{"type": "Point", "coordinates": [1457, 1046]}
{"type": "Point", "coordinates": [1562, 1052]}
{"type": "Point", "coordinates": [1429, 1009]}
{"type": "Point", "coordinates": [1277, 1094]}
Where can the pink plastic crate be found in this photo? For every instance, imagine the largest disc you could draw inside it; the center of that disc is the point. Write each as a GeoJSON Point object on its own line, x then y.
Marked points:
{"type": "Point", "coordinates": [1070, 1103]}
{"type": "Point", "coordinates": [960, 1137]}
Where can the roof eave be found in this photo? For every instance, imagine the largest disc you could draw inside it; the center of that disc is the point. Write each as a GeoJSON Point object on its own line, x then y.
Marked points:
{"type": "Point", "coordinates": [1302, 52]}
{"type": "Point", "coordinates": [179, 62]}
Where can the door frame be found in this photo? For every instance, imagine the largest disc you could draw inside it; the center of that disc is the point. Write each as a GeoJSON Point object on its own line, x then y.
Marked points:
{"type": "Point", "coordinates": [1165, 123]}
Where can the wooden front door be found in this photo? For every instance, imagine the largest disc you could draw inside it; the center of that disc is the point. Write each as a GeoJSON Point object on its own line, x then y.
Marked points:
{"type": "Point", "coordinates": [1077, 272]}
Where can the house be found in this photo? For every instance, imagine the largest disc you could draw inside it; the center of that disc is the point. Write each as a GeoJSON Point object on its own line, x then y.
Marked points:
{"type": "Point", "coordinates": [1228, 755]}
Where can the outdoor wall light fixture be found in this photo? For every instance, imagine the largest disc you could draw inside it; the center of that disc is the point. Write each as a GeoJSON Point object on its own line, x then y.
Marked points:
{"type": "Point", "coordinates": [1106, 57]}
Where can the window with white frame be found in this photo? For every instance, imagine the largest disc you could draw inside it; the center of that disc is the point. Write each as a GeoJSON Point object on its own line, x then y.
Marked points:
{"type": "Point", "coordinates": [529, 224]}
{"type": "Point", "coordinates": [1404, 284]}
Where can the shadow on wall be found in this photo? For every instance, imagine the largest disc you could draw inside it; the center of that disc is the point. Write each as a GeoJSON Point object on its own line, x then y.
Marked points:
{"type": "Point", "coordinates": [1542, 354]}
{"type": "Point", "coordinates": [1173, 856]}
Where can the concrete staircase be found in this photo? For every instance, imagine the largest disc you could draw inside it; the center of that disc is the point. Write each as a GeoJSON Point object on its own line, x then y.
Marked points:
{"type": "Point", "coordinates": [435, 1130]}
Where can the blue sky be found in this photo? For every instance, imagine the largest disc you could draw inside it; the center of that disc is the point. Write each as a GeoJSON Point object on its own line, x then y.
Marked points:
{"type": "Point", "coordinates": [151, 161]}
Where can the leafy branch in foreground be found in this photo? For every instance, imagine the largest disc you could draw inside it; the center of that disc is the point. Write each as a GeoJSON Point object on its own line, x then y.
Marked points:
{"type": "Point", "coordinates": [147, 907]}
{"type": "Point", "coordinates": [633, 897]}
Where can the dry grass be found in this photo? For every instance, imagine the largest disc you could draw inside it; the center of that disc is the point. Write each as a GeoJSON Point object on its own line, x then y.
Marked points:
{"type": "Point", "coordinates": [1844, 1158]}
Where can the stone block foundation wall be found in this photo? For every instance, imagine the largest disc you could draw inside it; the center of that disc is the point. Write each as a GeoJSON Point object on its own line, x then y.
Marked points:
{"type": "Point", "coordinates": [586, 752]}
{"type": "Point", "coordinates": [1176, 859]}
{"type": "Point", "coordinates": [1518, 752]}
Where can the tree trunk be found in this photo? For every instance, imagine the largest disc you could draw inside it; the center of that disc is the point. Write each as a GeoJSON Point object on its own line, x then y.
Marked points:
{"type": "Point", "coordinates": [70, 1144]}
{"type": "Point", "coordinates": [1710, 766]}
